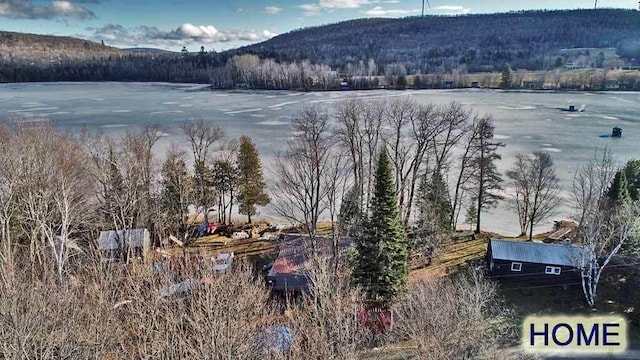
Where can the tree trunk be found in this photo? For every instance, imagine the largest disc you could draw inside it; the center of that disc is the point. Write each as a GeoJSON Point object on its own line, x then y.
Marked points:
{"type": "Point", "coordinates": [230, 204]}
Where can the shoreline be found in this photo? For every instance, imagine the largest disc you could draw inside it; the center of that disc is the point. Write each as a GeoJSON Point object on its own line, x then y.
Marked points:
{"type": "Point", "coordinates": [209, 87]}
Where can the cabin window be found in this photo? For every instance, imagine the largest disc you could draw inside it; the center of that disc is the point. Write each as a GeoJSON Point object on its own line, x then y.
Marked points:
{"type": "Point", "coordinates": [516, 266]}
{"type": "Point", "coordinates": [552, 270]}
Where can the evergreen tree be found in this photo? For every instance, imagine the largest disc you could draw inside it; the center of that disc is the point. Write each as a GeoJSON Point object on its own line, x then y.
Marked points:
{"type": "Point", "coordinates": [205, 184]}
{"type": "Point", "coordinates": [380, 267]}
{"type": "Point", "coordinates": [632, 172]}
{"type": "Point", "coordinates": [225, 179]}
{"type": "Point", "coordinates": [471, 216]}
{"type": "Point", "coordinates": [251, 186]}
{"type": "Point", "coordinates": [350, 211]}
{"type": "Point", "coordinates": [434, 204]}
{"type": "Point", "coordinates": [423, 206]}
{"type": "Point", "coordinates": [176, 191]}
{"type": "Point", "coordinates": [486, 178]}
{"type": "Point", "coordinates": [401, 82]}
{"type": "Point", "coordinates": [438, 196]}
{"type": "Point", "coordinates": [507, 77]}
{"type": "Point", "coordinates": [618, 192]}
{"type": "Point", "coordinates": [600, 60]}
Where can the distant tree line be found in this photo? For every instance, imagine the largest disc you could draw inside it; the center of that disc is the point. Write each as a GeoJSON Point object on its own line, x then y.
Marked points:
{"type": "Point", "coordinates": [364, 53]}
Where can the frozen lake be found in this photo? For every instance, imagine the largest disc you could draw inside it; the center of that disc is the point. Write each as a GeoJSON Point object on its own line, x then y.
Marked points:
{"type": "Point", "coordinates": [525, 121]}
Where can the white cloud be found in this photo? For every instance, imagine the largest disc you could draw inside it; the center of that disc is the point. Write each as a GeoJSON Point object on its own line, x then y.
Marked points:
{"type": "Point", "coordinates": [342, 4]}
{"type": "Point", "coordinates": [310, 9]}
{"type": "Point", "coordinates": [379, 11]}
{"type": "Point", "coordinates": [185, 34]}
{"type": "Point", "coordinates": [329, 6]}
{"type": "Point", "coordinates": [272, 10]}
{"type": "Point", "coordinates": [28, 9]}
{"type": "Point", "coordinates": [452, 9]}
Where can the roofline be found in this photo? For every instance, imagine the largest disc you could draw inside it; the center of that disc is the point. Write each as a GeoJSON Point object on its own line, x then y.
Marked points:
{"type": "Point", "coordinates": [538, 243]}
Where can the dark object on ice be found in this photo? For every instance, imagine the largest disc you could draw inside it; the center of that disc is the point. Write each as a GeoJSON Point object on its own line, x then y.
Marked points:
{"type": "Point", "coordinates": [573, 108]}
{"type": "Point", "coordinates": [617, 132]}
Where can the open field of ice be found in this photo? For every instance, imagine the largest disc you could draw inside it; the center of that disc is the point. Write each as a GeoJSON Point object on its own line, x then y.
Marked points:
{"type": "Point", "coordinates": [525, 121]}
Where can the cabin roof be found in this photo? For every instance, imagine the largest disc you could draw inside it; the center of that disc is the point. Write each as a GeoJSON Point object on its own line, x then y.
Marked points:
{"type": "Point", "coordinates": [294, 254]}
{"type": "Point", "coordinates": [533, 252]}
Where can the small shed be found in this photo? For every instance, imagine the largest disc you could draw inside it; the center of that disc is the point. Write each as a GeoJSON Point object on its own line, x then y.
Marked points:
{"type": "Point", "coordinates": [114, 244]}
{"type": "Point", "coordinates": [617, 132]}
{"type": "Point", "coordinates": [534, 263]}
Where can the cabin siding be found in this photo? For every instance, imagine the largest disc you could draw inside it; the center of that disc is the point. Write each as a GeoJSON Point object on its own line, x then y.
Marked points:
{"type": "Point", "coordinates": [533, 273]}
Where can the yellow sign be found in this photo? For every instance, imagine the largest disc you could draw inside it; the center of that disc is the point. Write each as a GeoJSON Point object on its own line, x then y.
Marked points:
{"type": "Point", "coordinates": [603, 334]}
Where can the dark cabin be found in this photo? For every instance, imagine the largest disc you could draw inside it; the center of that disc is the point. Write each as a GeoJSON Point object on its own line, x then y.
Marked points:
{"type": "Point", "coordinates": [290, 269]}
{"type": "Point", "coordinates": [534, 263]}
{"type": "Point", "coordinates": [617, 132]}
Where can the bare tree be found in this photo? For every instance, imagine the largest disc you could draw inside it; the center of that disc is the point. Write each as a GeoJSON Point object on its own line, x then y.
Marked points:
{"type": "Point", "coordinates": [71, 207]}
{"type": "Point", "coordinates": [537, 192]}
{"type": "Point", "coordinates": [424, 128]}
{"type": "Point", "coordinates": [453, 125]}
{"type": "Point", "coordinates": [400, 114]}
{"type": "Point", "coordinates": [458, 318]}
{"type": "Point", "coordinates": [326, 317]}
{"type": "Point", "coordinates": [373, 119]}
{"type": "Point", "coordinates": [521, 194]}
{"type": "Point", "coordinates": [336, 182]}
{"type": "Point", "coordinates": [300, 191]}
{"type": "Point", "coordinates": [465, 172]}
{"type": "Point", "coordinates": [603, 229]}
{"type": "Point", "coordinates": [358, 130]}
{"type": "Point", "coordinates": [8, 183]}
{"type": "Point", "coordinates": [51, 194]}
{"type": "Point", "coordinates": [349, 118]}
{"type": "Point", "coordinates": [591, 183]}
{"type": "Point", "coordinates": [202, 136]}
{"type": "Point", "coordinates": [603, 233]}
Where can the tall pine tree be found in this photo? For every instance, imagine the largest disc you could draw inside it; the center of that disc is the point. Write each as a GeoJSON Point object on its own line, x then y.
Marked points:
{"type": "Point", "coordinates": [380, 267]}
{"type": "Point", "coordinates": [632, 172]}
{"type": "Point", "coordinates": [619, 190]}
{"type": "Point", "coordinates": [176, 192]}
{"type": "Point", "coordinates": [486, 179]}
{"type": "Point", "coordinates": [251, 181]}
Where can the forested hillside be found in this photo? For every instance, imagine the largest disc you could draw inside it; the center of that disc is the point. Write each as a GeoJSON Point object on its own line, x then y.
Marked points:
{"type": "Point", "coordinates": [47, 48]}
{"type": "Point", "coordinates": [524, 39]}
{"type": "Point", "coordinates": [531, 40]}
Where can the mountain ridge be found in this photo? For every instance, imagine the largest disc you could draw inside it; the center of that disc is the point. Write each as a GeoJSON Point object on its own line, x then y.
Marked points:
{"type": "Point", "coordinates": [481, 41]}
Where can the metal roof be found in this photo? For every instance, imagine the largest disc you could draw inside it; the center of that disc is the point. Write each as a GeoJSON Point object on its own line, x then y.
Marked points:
{"type": "Point", "coordinates": [296, 248]}
{"type": "Point", "coordinates": [533, 252]}
{"type": "Point", "coordinates": [113, 240]}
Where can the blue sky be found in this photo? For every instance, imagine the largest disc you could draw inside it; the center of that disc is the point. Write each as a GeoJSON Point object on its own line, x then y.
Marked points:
{"type": "Point", "coordinates": [224, 24]}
